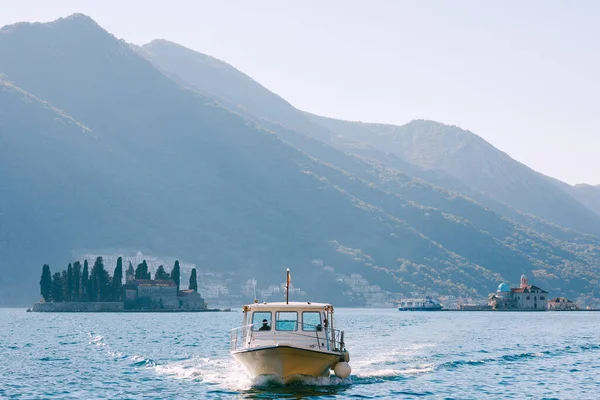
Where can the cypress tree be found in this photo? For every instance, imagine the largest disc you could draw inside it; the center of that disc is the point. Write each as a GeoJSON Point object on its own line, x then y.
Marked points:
{"type": "Point", "coordinates": [139, 272]}
{"type": "Point", "coordinates": [46, 283]}
{"type": "Point", "coordinates": [65, 285]}
{"type": "Point", "coordinates": [92, 294]}
{"type": "Point", "coordinates": [193, 281]}
{"type": "Point", "coordinates": [57, 287]}
{"type": "Point", "coordinates": [77, 281]}
{"type": "Point", "coordinates": [85, 282]}
{"type": "Point", "coordinates": [69, 283]}
{"type": "Point", "coordinates": [176, 274]}
{"type": "Point", "coordinates": [117, 280]}
{"type": "Point", "coordinates": [146, 270]}
{"type": "Point", "coordinates": [161, 274]}
{"type": "Point", "coordinates": [100, 288]}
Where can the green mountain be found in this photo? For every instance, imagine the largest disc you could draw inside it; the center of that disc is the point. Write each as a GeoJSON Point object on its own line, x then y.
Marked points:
{"type": "Point", "coordinates": [377, 166]}
{"type": "Point", "coordinates": [102, 149]}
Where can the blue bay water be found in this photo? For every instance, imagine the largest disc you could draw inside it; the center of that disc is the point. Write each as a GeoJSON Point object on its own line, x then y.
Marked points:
{"type": "Point", "coordinates": [445, 355]}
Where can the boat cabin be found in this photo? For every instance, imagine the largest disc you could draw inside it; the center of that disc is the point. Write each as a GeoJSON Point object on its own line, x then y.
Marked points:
{"type": "Point", "coordinates": [299, 324]}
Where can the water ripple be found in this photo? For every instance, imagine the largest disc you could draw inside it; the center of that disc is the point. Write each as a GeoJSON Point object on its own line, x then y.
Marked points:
{"type": "Point", "coordinates": [393, 355]}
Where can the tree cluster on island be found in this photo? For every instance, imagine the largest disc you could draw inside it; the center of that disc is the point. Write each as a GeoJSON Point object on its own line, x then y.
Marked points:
{"type": "Point", "coordinates": [77, 283]}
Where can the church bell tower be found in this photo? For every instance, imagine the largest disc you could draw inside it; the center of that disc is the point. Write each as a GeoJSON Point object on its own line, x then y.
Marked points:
{"type": "Point", "coordinates": [524, 283]}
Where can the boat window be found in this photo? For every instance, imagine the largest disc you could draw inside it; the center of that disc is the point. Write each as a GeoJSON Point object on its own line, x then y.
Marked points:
{"type": "Point", "coordinates": [258, 321]}
{"type": "Point", "coordinates": [311, 321]}
{"type": "Point", "coordinates": [286, 320]}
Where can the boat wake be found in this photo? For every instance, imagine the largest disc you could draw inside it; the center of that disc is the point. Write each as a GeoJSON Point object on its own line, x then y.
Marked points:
{"type": "Point", "coordinates": [380, 366]}
{"type": "Point", "coordinates": [224, 373]}
{"type": "Point", "coordinates": [227, 374]}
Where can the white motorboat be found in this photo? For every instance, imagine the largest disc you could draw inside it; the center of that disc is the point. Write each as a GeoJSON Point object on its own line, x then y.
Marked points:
{"type": "Point", "coordinates": [290, 339]}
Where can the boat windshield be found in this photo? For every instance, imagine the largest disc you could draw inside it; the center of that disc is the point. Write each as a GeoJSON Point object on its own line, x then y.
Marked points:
{"type": "Point", "coordinates": [286, 320]}
{"type": "Point", "coordinates": [311, 321]}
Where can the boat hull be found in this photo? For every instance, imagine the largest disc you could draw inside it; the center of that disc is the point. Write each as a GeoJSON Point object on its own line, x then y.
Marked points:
{"type": "Point", "coordinates": [286, 361]}
{"type": "Point", "coordinates": [420, 308]}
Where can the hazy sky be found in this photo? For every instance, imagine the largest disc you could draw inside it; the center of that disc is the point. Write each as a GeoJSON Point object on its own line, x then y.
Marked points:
{"type": "Point", "coordinates": [524, 75]}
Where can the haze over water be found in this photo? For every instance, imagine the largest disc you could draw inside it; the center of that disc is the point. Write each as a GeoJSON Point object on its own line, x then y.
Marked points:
{"type": "Point", "coordinates": [393, 355]}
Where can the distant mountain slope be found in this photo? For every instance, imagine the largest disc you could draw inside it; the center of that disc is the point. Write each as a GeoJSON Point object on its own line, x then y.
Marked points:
{"type": "Point", "coordinates": [242, 94]}
{"type": "Point", "coordinates": [470, 159]}
{"type": "Point", "coordinates": [247, 97]}
{"type": "Point", "coordinates": [226, 83]}
{"type": "Point", "coordinates": [588, 195]}
{"type": "Point", "coordinates": [195, 70]}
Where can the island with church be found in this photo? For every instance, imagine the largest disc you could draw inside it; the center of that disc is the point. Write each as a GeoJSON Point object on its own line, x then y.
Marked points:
{"type": "Point", "coordinates": [526, 297]}
{"type": "Point", "coordinates": [81, 289]}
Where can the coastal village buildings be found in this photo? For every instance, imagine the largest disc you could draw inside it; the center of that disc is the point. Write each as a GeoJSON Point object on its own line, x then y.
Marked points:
{"type": "Point", "coordinates": [525, 297]}
{"type": "Point", "coordinates": [562, 304]}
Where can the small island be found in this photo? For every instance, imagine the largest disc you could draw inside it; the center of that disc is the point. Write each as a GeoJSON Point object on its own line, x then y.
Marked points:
{"type": "Point", "coordinates": [79, 289]}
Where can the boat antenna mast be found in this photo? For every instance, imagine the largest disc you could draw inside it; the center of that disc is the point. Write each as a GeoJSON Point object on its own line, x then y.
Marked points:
{"type": "Point", "coordinates": [287, 286]}
{"type": "Point", "coordinates": [254, 288]}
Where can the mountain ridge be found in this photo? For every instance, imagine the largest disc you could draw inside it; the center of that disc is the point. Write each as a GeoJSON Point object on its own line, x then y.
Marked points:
{"type": "Point", "coordinates": [474, 161]}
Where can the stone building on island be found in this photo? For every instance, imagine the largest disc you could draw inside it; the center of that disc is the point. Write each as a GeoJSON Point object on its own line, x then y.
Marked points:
{"type": "Point", "coordinates": [525, 297]}
{"type": "Point", "coordinates": [148, 294]}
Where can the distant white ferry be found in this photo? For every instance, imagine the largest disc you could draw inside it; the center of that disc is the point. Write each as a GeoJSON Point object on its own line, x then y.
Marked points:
{"type": "Point", "coordinates": [426, 304]}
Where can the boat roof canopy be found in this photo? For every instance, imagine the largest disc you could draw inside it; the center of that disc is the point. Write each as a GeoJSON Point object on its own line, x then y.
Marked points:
{"type": "Point", "coordinates": [292, 305]}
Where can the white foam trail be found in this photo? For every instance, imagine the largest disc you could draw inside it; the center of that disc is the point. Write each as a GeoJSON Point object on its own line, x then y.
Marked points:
{"type": "Point", "coordinates": [222, 372]}
{"type": "Point", "coordinates": [391, 363]}
{"type": "Point", "coordinates": [389, 357]}
{"type": "Point", "coordinates": [382, 373]}
{"type": "Point", "coordinates": [98, 340]}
